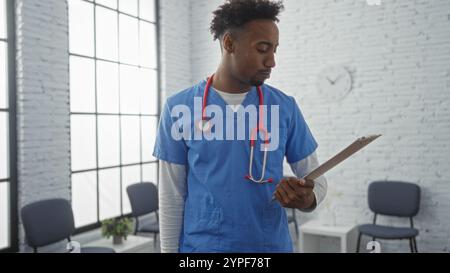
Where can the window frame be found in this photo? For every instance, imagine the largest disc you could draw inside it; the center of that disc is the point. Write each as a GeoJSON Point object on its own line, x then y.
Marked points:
{"type": "Point", "coordinates": [97, 114]}
{"type": "Point", "coordinates": [11, 80]}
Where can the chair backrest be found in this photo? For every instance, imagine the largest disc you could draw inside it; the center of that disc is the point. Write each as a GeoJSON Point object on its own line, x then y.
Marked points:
{"type": "Point", "coordinates": [143, 198]}
{"type": "Point", "coordinates": [394, 198]}
{"type": "Point", "coordinates": [48, 221]}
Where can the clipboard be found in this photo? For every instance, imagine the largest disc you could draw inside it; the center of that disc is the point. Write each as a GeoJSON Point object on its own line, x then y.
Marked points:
{"type": "Point", "coordinates": [341, 156]}
{"type": "Point", "coordinates": [350, 150]}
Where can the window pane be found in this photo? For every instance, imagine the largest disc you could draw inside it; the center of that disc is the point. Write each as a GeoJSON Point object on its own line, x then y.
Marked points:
{"type": "Point", "coordinates": [130, 175]}
{"type": "Point", "coordinates": [149, 94]}
{"type": "Point", "coordinates": [108, 3]}
{"type": "Point", "coordinates": [109, 187]}
{"type": "Point", "coordinates": [106, 34]}
{"type": "Point", "coordinates": [128, 6]}
{"type": "Point", "coordinates": [4, 215]}
{"type": "Point", "coordinates": [108, 141]}
{"type": "Point", "coordinates": [130, 140]}
{"type": "Point", "coordinates": [4, 150]}
{"type": "Point", "coordinates": [84, 198]}
{"type": "Point", "coordinates": [129, 40]}
{"type": "Point", "coordinates": [107, 87]}
{"type": "Point", "coordinates": [2, 18]}
{"type": "Point", "coordinates": [129, 89]}
{"type": "Point", "coordinates": [147, 10]}
{"type": "Point", "coordinates": [147, 45]}
{"type": "Point", "coordinates": [3, 76]}
{"type": "Point", "coordinates": [82, 85]}
{"type": "Point", "coordinates": [149, 173]}
{"type": "Point", "coordinates": [81, 27]}
{"type": "Point", "coordinates": [82, 137]}
{"type": "Point", "coordinates": [149, 126]}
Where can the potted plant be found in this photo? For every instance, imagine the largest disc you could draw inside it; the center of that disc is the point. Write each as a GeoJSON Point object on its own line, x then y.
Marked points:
{"type": "Point", "coordinates": [118, 228]}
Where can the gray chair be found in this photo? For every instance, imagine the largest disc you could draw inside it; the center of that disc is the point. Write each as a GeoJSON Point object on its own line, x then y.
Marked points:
{"type": "Point", "coordinates": [50, 221]}
{"type": "Point", "coordinates": [392, 198]}
{"type": "Point", "coordinates": [144, 201]}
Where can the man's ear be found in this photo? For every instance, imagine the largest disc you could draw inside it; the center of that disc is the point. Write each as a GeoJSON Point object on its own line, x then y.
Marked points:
{"type": "Point", "coordinates": [228, 42]}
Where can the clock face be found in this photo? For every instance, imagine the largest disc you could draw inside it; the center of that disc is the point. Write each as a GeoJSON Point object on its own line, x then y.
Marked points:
{"type": "Point", "coordinates": [334, 82]}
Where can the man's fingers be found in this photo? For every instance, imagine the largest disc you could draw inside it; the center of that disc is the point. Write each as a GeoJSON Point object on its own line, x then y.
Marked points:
{"type": "Point", "coordinates": [294, 192]}
{"type": "Point", "coordinates": [283, 193]}
{"type": "Point", "coordinates": [282, 197]}
{"type": "Point", "coordinates": [290, 189]}
{"type": "Point", "coordinates": [308, 183]}
{"type": "Point", "coordinates": [300, 181]}
{"type": "Point", "coordinates": [279, 197]}
{"type": "Point", "coordinates": [293, 189]}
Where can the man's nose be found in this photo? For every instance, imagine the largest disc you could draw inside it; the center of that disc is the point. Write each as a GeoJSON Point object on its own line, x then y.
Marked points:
{"type": "Point", "coordinates": [270, 61]}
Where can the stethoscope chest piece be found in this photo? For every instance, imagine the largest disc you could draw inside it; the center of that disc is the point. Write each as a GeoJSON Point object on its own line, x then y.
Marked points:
{"type": "Point", "coordinates": [203, 125]}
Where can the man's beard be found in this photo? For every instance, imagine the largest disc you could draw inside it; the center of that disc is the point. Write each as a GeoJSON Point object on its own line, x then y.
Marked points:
{"type": "Point", "coordinates": [256, 82]}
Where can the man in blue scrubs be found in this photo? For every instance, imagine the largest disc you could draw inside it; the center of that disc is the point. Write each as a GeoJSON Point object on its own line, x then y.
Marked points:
{"type": "Point", "coordinates": [207, 201]}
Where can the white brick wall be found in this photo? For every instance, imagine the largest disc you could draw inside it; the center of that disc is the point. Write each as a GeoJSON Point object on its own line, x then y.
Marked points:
{"type": "Point", "coordinates": [42, 101]}
{"type": "Point", "coordinates": [175, 46]}
{"type": "Point", "coordinates": [399, 56]}
{"type": "Point", "coordinates": [205, 54]}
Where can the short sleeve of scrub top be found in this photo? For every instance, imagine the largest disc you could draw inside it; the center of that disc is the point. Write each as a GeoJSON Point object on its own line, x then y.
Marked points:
{"type": "Point", "coordinates": [166, 147]}
{"type": "Point", "coordinates": [300, 142]}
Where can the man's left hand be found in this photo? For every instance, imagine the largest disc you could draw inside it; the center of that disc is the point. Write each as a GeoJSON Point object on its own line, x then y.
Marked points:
{"type": "Point", "coordinates": [295, 193]}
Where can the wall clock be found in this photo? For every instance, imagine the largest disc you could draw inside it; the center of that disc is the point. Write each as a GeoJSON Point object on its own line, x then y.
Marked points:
{"type": "Point", "coordinates": [334, 82]}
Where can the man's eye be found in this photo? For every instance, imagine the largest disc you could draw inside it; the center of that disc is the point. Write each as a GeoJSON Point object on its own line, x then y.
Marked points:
{"type": "Point", "coordinates": [262, 51]}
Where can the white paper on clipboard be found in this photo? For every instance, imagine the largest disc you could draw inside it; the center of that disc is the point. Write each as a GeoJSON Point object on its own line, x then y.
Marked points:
{"type": "Point", "coordinates": [341, 156]}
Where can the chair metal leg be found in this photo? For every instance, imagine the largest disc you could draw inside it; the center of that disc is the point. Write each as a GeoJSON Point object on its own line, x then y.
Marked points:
{"type": "Point", "coordinates": [359, 242]}
{"type": "Point", "coordinates": [411, 245]}
{"type": "Point", "coordinates": [136, 225]}
{"type": "Point", "coordinates": [296, 227]}
{"type": "Point", "coordinates": [154, 240]}
{"type": "Point", "coordinates": [415, 245]}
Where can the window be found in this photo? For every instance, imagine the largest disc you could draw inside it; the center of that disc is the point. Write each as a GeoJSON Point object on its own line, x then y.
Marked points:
{"type": "Point", "coordinates": [113, 103]}
{"type": "Point", "coordinates": [8, 185]}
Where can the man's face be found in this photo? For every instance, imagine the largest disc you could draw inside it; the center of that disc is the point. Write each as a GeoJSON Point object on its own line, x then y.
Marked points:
{"type": "Point", "coordinates": [254, 52]}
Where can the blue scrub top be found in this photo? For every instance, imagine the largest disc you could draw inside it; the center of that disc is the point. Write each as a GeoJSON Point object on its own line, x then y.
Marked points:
{"type": "Point", "coordinates": [224, 212]}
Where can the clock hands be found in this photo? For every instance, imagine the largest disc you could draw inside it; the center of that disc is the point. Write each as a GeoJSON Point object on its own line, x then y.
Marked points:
{"type": "Point", "coordinates": [333, 82]}
{"type": "Point", "coordinates": [330, 81]}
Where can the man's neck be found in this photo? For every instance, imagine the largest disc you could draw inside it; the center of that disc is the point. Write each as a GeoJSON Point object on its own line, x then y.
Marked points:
{"type": "Point", "coordinates": [224, 82]}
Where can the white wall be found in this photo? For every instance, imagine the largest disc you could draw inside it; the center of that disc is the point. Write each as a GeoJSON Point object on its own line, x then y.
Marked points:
{"type": "Point", "coordinates": [175, 46]}
{"type": "Point", "coordinates": [42, 65]}
{"type": "Point", "coordinates": [399, 56]}
{"type": "Point", "coordinates": [205, 55]}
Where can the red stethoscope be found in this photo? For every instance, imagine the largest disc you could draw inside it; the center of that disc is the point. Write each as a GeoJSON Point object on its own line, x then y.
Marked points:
{"type": "Point", "coordinates": [204, 125]}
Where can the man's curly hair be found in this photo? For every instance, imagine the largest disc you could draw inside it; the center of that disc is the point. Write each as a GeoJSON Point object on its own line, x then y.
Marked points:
{"type": "Point", "coordinates": [234, 14]}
